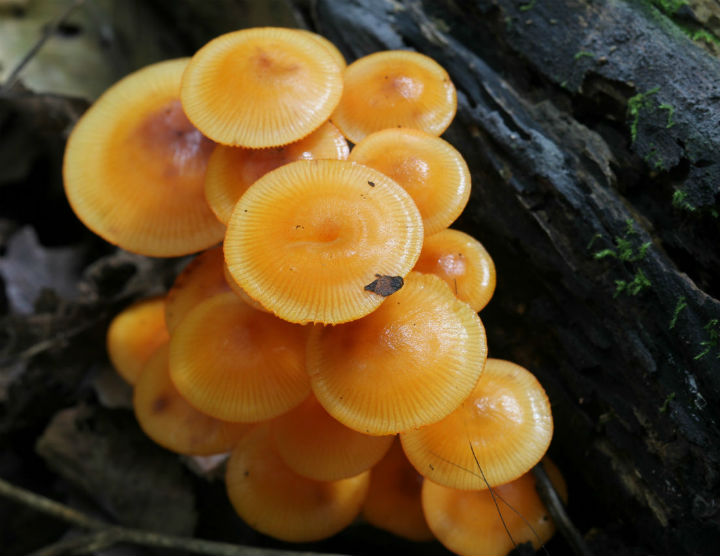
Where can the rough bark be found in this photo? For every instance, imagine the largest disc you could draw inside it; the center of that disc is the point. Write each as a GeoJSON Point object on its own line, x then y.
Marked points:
{"type": "Point", "coordinates": [591, 129]}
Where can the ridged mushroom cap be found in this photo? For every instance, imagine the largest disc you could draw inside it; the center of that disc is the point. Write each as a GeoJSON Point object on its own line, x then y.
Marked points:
{"type": "Point", "coordinates": [463, 262]}
{"type": "Point", "coordinates": [393, 501]}
{"type": "Point", "coordinates": [409, 363]}
{"type": "Point", "coordinates": [171, 421]}
{"type": "Point", "coordinates": [236, 363]}
{"type": "Point", "coordinates": [134, 334]}
{"type": "Point", "coordinates": [202, 278]}
{"type": "Point", "coordinates": [467, 521]}
{"type": "Point", "coordinates": [315, 445]}
{"type": "Point", "coordinates": [431, 170]}
{"type": "Point", "coordinates": [231, 170]}
{"type": "Point", "coordinates": [278, 502]}
{"type": "Point", "coordinates": [134, 167]}
{"type": "Point", "coordinates": [395, 88]}
{"type": "Point", "coordinates": [261, 87]}
{"type": "Point", "coordinates": [504, 426]}
{"type": "Point", "coordinates": [308, 237]}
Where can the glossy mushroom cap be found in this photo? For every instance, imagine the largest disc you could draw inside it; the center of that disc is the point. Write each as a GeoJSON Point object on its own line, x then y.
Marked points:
{"type": "Point", "coordinates": [308, 237]}
{"type": "Point", "coordinates": [395, 88]}
{"type": "Point", "coordinates": [134, 335]}
{"type": "Point", "coordinates": [467, 521]}
{"type": "Point", "coordinates": [173, 423]}
{"type": "Point", "coordinates": [261, 87]}
{"type": "Point", "coordinates": [236, 363]}
{"type": "Point", "coordinates": [134, 167]}
{"type": "Point", "coordinates": [317, 446]}
{"type": "Point", "coordinates": [431, 170]}
{"type": "Point", "coordinates": [504, 427]}
{"type": "Point", "coordinates": [408, 364]}
{"type": "Point", "coordinates": [464, 264]}
{"type": "Point", "coordinates": [231, 170]}
{"type": "Point", "coordinates": [278, 502]}
{"type": "Point", "coordinates": [393, 501]}
{"type": "Point", "coordinates": [201, 279]}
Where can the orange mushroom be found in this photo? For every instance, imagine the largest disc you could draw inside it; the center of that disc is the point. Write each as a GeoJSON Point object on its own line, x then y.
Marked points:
{"type": "Point", "coordinates": [410, 363]}
{"type": "Point", "coordinates": [173, 423]}
{"type": "Point", "coordinates": [134, 334]}
{"type": "Point", "coordinates": [498, 433]}
{"type": "Point", "coordinates": [276, 501]}
{"type": "Point", "coordinates": [395, 88]}
{"type": "Point", "coordinates": [307, 238]}
{"type": "Point", "coordinates": [471, 522]}
{"type": "Point", "coordinates": [201, 279]}
{"type": "Point", "coordinates": [134, 167]}
{"type": "Point", "coordinates": [464, 264]}
{"type": "Point", "coordinates": [431, 170]}
{"type": "Point", "coordinates": [393, 501]}
{"type": "Point", "coordinates": [317, 446]}
{"type": "Point", "coordinates": [236, 363]}
{"type": "Point", "coordinates": [231, 170]}
{"type": "Point", "coordinates": [261, 87]}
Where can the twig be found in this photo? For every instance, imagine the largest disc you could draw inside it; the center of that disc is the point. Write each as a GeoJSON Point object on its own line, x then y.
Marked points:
{"type": "Point", "coordinates": [47, 33]}
{"type": "Point", "coordinates": [555, 506]}
{"type": "Point", "coordinates": [104, 534]}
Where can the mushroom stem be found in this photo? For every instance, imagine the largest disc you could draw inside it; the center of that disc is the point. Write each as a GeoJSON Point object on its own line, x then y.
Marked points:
{"type": "Point", "coordinates": [555, 506]}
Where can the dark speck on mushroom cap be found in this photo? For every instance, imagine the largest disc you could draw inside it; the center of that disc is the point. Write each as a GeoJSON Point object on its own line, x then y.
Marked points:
{"type": "Point", "coordinates": [385, 285]}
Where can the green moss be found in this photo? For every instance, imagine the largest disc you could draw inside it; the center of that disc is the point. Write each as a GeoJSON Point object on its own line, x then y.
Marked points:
{"type": "Point", "coordinates": [635, 286]}
{"type": "Point", "coordinates": [529, 6]}
{"type": "Point", "coordinates": [681, 304]}
{"type": "Point", "coordinates": [666, 404]}
{"type": "Point", "coordinates": [625, 248]}
{"type": "Point", "coordinates": [679, 201]}
{"type": "Point", "coordinates": [583, 54]}
{"type": "Point", "coordinates": [713, 331]}
{"type": "Point", "coordinates": [669, 7]}
{"type": "Point", "coordinates": [637, 103]}
{"type": "Point", "coordinates": [671, 111]}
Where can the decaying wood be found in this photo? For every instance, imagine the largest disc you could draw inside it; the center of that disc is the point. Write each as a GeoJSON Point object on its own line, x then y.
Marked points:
{"type": "Point", "coordinates": [591, 129]}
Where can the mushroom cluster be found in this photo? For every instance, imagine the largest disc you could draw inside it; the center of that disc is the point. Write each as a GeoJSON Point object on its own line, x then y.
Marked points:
{"type": "Point", "coordinates": [327, 335]}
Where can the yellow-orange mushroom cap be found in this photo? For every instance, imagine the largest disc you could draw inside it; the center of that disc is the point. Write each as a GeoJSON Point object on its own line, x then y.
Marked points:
{"type": "Point", "coordinates": [464, 264]}
{"type": "Point", "coordinates": [393, 501]}
{"type": "Point", "coordinates": [409, 363]}
{"type": "Point", "coordinates": [395, 88]}
{"type": "Point", "coordinates": [134, 334]}
{"type": "Point", "coordinates": [231, 170]}
{"type": "Point", "coordinates": [173, 423]}
{"type": "Point", "coordinates": [201, 279]}
{"type": "Point", "coordinates": [504, 426]}
{"type": "Point", "coordinates": [315, 445]}
{"type": "Point", "coordinates": [467, 521]}
{"type": "Point", "coordinates": [429, 168]}
{"type": "Point", "coordinates": [134, 167]}
{"type": "Point", "coordinates": [276, 501]}
{"type": "Point", "coordinates": [236, 363]}
{"type": "Point", "coordinates": [261, 87]}
{"type": "Point", "coordinates": [308, 237]}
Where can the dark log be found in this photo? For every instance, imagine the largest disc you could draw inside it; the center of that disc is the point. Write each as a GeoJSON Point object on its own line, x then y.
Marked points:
{"type": "Point", "coordinates": [591, 129]}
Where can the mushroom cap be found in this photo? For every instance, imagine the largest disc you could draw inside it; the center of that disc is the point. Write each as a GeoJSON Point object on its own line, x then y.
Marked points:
{"type": "Point", "coordinates": [467, 521]}
{"type": "Point", "coordinates": [134, 334]}
{"type": "Point", "coordinates": [173, 423]}
{"type": "Point", "coordinates": [504, 426]}
{"type": "Point", "coordinates": [329, 46]}
{"type": "Point", "coordinates": [319, 447]}
{"type": "Point", "coordinates": [231, 170]}
{"type": "Point", "coordinates": [261, 87]}
{"type": "Point", "coordinates": [410, 363]}
{"type": "Point", "coordinates": [308, 237]}
{"type": "Point", "coordinates": [278, 502]}
{"type": "Point", "coordinates": [431, 170]}
{"type": "Point", "coordinates": [395, 88]}
{"type": "Point", "coordinates": [393, 502]}
{"type": "Point", "coordinates": [464, 264]}
{"type": "Point", "coordinates": [236, 363]}
{"type": "Point", "coordinates": [201, 279]}
{"type": "Point", "coordinates": [134, 167]}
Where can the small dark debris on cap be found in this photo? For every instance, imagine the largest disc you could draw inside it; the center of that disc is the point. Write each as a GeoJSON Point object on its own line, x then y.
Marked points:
{"type": "Point", "coordinates": [371, 183]}
{"type": "Point", "coordinates": [385, 285]}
